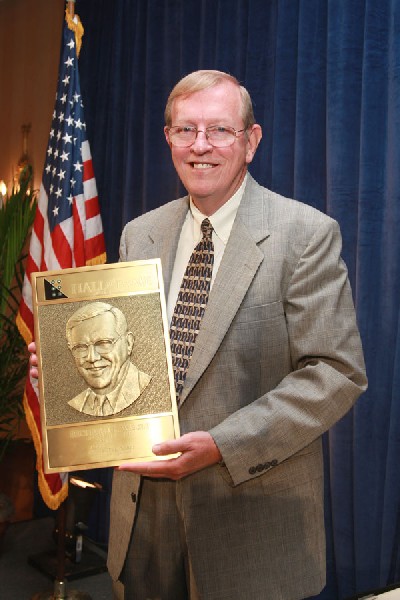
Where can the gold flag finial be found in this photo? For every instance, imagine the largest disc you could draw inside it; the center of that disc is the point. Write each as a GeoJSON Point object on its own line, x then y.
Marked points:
{"type": "Point", "coordinates": [74, 23]}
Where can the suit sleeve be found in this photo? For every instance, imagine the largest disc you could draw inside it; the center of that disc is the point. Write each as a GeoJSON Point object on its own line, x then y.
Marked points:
{"type": "Point", "coordinates": [122, 245]}
{"type": "Point", "coordinates": [328, 372]}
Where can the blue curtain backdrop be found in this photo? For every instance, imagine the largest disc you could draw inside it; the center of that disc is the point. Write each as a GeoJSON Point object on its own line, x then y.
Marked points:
{"type": "Point", "coordinates": [325, 79]}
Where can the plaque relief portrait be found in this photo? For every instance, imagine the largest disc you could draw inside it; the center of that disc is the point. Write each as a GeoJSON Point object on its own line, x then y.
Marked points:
{"type": "Point", "coordinates": [101, 346]}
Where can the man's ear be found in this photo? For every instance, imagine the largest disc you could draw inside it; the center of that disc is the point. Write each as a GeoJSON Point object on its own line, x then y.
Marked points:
{"type": "Point", "coordinates": [167, 136]}
{"type": "Point", "coordinates": [254, 135]}
{"type": "Point", "coordinates": [130, 339]}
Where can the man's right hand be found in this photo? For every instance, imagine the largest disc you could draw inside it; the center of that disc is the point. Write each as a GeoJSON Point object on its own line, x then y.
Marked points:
{"type": "Point", "coordinates": [33, 360]}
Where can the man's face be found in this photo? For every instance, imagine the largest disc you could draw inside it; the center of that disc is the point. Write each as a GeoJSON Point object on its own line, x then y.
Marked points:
{"type": "Point", "coordinates": [212, 175]}
{"type": "Point", "coordinates": [101, 371]}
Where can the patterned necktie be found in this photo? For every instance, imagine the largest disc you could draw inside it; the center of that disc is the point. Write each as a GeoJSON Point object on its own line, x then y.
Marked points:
{"type": "Point", "coordinates": [191, 304]}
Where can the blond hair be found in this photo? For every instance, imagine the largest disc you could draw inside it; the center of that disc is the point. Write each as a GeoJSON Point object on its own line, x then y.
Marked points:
{"type": "Point", "coordinates": [202, 80]}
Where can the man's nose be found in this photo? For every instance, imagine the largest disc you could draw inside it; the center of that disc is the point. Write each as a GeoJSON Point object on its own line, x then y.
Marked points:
{"type": "Point", "coordinates": [92, 353]}
{"type": "Point", "coordinates": [201, 143]}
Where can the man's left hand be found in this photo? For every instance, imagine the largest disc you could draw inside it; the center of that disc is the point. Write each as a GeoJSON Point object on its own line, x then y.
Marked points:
{"type": "Point", "coordinates": [198, 450]}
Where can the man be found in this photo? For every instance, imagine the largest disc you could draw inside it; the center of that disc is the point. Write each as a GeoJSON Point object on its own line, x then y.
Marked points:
{"type": "Point", "coordinates": [99, 340]}
{"type": "Point", "coordinates": [277, 360]}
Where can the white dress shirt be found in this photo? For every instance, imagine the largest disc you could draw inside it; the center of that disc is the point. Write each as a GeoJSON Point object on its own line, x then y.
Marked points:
{"type": "Point", "coordinates": [222, 222]}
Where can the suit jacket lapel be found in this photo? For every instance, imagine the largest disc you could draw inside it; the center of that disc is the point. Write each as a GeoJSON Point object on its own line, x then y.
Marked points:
{"type": "Point", "coordinates": [164, 237]}
{"type": "Point", "coordinates": [240, 262]}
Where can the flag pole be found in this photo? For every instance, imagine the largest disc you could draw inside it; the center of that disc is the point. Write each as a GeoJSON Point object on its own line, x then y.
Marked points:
{"type": "Point", "coordinates": [60, 589]}
{"type": "Point", "coordinates": [60, 583]}
{"type": "Point", "coordinates": [71, 8]}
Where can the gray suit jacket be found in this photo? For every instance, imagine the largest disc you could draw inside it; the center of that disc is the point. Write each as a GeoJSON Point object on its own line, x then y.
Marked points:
{"type": "Point", "coordinates": [277, 361]}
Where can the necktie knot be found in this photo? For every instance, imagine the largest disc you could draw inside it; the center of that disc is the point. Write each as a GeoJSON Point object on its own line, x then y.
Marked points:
{"type": "Point", "coordinates": [206, 229]}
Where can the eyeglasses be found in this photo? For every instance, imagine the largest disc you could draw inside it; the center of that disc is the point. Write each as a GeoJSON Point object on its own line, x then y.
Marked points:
{"type": "Point", "coordinates": [218, 135]}
{"type": "Point", "coordinates": [102, 347]}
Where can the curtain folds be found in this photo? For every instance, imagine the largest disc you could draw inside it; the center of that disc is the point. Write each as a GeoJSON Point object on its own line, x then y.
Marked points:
{"type": "Point", "coordinates": [325, 79]}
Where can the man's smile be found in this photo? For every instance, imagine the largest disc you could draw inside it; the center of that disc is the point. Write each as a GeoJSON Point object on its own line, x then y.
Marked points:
{"type": "Point", "coordinates": [96, 371]}
{"type": "Point", "coordinates": [202, 165]}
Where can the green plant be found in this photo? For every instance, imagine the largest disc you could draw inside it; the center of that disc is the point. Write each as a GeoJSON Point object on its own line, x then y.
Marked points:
{"type": "Point", "coordinates": [16, 217]}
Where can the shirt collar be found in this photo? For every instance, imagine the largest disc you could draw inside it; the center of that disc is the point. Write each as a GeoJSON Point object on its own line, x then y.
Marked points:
{"type": "Point", "coordinates": [222, 220]}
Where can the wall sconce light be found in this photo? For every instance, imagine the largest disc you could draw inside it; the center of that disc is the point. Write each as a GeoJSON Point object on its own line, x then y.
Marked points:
{"type": "Point", "coordinates": [24, 159]}
{"type": "Point", "coordinates": [3, 193]}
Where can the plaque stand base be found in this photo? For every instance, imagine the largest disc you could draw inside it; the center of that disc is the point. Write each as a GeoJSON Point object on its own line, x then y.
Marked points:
{"type": "Point", "coordinates": [91, 564]}
{"type": "Point", "coordinates": [61, 592]}
{"type": "Point", "coordinates": [46, 562]}
{"type": "Point", "coordinates": [60, 568]}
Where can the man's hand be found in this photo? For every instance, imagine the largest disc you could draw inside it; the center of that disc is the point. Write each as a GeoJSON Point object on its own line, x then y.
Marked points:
{"type": "Point", "coordinates": [33, 360]}
{"type": "Point", "coordinates": [198, 450]}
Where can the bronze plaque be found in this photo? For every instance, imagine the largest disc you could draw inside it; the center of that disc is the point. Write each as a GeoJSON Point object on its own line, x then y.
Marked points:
{"type": "Point", "coordinates": [106, 383]}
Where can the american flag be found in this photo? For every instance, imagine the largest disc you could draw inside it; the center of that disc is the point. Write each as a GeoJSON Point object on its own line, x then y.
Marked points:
{"type": "Point", "coordinates": [67, 231]}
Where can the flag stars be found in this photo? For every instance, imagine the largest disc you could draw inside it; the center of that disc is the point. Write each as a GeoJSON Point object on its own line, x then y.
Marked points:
{"type": "Point", "coordinates": [64, 166]}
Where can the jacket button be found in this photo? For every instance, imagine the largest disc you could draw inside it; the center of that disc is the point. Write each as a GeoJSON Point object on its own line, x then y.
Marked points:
{"type": "Point", "coordinates": [252, 470]}
{"type": "Point", "coordinates": [133, 496]}
{"type": "Point", "coordinates": [267, 465]}
{"type": "Point", "coordinates": [274, 462]}
{"type": "Point", "coordinates": [260, 468]}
